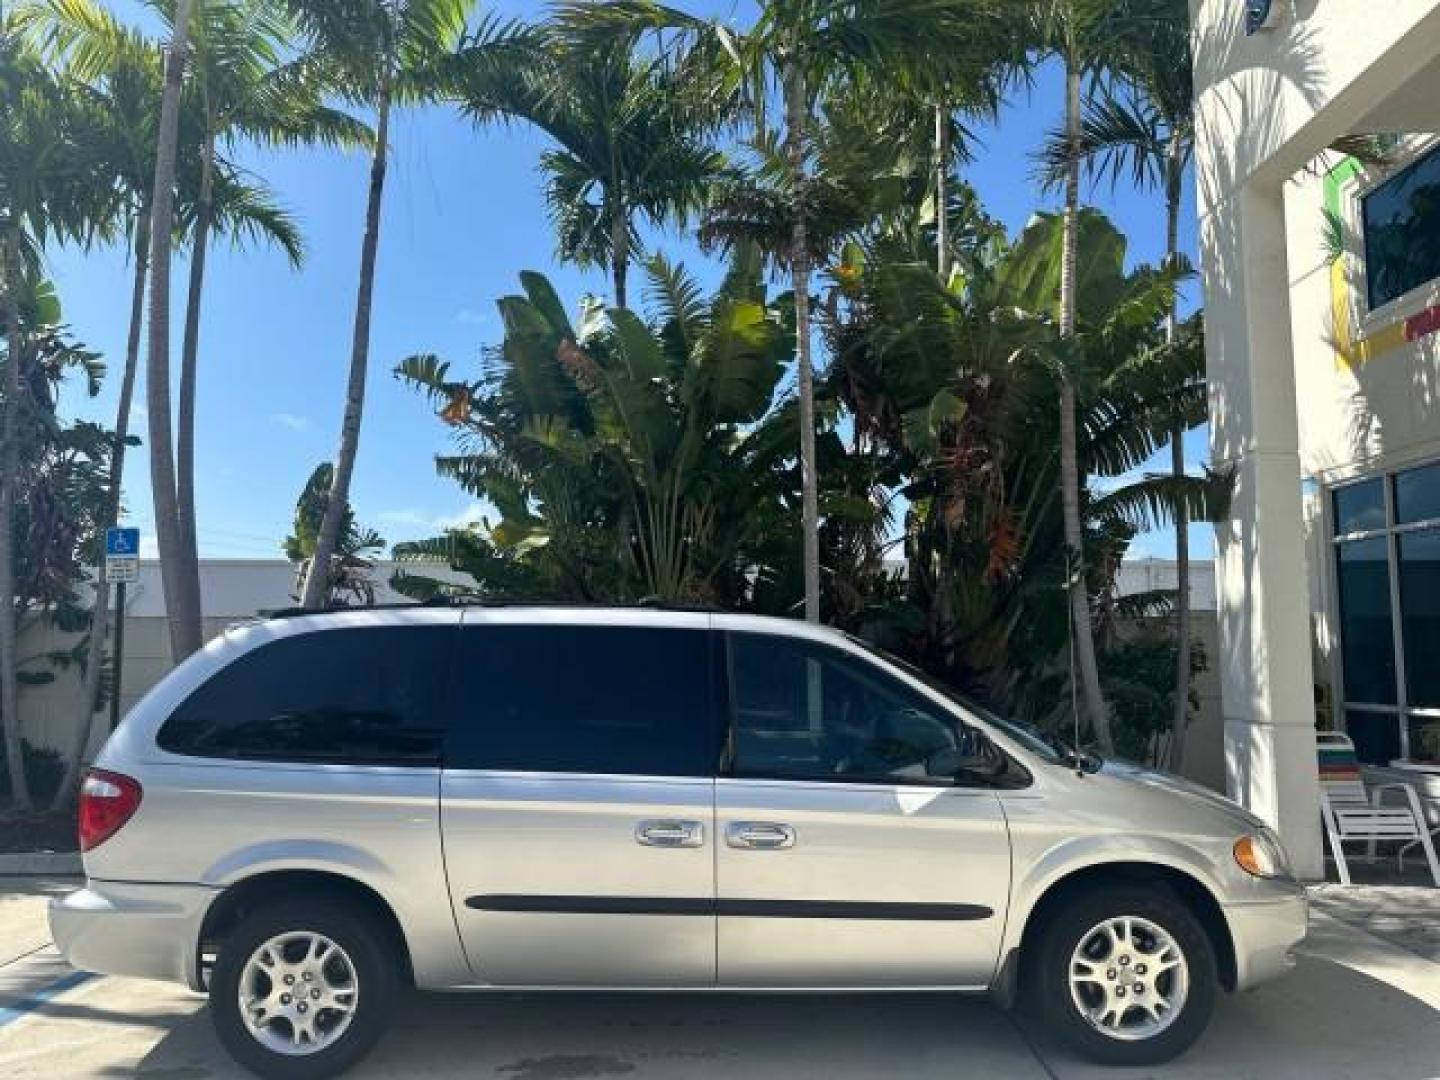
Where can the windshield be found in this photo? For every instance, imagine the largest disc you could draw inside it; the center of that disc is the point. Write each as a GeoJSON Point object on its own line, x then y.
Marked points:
{"type": "Point", "coordinates": [1030, 737]}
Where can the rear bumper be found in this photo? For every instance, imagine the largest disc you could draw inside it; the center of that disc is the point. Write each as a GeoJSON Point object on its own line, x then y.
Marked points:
{"type": "Point", "coordinates": [144, 931]}
{"type": "Point", "coordinates": [1265, 934]}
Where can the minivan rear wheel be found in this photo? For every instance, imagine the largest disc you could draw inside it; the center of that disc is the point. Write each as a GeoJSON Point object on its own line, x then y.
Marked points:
{"type": "Point", "coordinates": [302, 990]}
{"type": "Point", "coordinates": [1126, 975]}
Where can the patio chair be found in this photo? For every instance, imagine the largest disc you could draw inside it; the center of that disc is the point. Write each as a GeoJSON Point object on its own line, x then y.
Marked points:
{"type": "Point", "coordinates": [1352, 813]}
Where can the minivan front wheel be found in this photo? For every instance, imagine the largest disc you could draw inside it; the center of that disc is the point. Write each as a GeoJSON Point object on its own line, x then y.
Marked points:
{"type": "Point", "coordinates": [301, 990]}
{"type": "Point", "coordinates": [1127, 976]}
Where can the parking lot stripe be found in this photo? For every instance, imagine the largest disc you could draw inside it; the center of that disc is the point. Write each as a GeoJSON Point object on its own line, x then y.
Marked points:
{"type": "Point", "coordinates": [32, 1001]}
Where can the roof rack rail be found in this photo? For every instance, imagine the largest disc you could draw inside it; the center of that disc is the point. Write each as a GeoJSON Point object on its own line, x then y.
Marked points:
{"type": "Point", "coordinates": [647, 603]}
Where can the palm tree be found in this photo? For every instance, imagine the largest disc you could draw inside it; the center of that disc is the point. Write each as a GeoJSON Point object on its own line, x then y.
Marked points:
{"type": "Point", "coordinates": [629, 143]}
{"type": "Point", "coordinates": [380, 54]}
{"type": "Point", "coordinates": [44, 193]}
{"type": "Point", "coordinates": [119, 119]}
{"type": "Point", "coordinates": [351, 580]}
{"type": "Point", "coordinates": [244, 90]}
{"type": "Point", "coordinates": [1089, 37]}
{"type": "Point", "coordinates": [115, 75]}
{"type": "Point", "coordinates": [1143, 126]}
{"type": "Point", "coordinates": [805, 50]}
{"type": "Point", "coordinates": [181, 602]}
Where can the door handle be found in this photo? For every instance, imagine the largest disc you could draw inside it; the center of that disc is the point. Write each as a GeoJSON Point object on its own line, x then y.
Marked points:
{"type": "Point", "coordinates": [670, 834]}
{"type": "Point", "coordinates": [759, 835]}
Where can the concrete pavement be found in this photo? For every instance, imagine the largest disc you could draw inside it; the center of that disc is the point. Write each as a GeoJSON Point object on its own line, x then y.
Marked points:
{"type": "Point", "coordinates": [1357, 1006]}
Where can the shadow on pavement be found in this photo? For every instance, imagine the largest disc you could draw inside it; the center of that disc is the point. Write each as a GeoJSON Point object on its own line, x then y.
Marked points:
{"type": "Point", "coordinates": [1323, 1021]}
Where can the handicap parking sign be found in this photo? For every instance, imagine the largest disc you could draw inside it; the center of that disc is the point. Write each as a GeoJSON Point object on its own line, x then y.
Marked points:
{"type": "Point", "coordinates": [122, 542]}
{"type": "Point", "coordinates": [122, 554]}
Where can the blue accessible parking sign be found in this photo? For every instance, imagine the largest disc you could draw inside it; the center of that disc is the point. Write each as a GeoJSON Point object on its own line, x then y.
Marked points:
{"type": "Point", "coordinates": [122, 555]}
{"type": "Point", "coordinates": [122, 542]}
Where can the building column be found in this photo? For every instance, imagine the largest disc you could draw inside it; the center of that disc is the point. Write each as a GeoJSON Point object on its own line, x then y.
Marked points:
{"type": "Point", "coordinates": [1261, 585]}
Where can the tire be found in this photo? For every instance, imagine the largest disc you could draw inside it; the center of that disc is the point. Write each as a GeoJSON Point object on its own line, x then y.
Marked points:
{"type": "Point", "coordinates": [358, 968]}
{"type": "Point", "coordinates": [1121, 1038]}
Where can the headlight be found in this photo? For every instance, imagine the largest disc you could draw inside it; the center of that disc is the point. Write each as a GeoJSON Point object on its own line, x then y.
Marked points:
{"type": "Point", "coordinates": [1262, 855]}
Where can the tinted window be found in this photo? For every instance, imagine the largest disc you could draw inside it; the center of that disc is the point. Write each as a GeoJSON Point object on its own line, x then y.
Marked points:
{"type": "Point", "coordinates": [809, 711]}
{"type": "Point", "coordinates": [1027, 735]}
{"type": "Point", "coordinates": [1376, 736]}
{"type": "Point", "coordinates": [1420, 615]}
{"type": "Point", "coordinates": [1365, 629]}
{"type": "Point", "coordinates": [357, 696]}
{"type": "Point", "coordinates": [1402, 231]}
{"type": "Point", "coordinates": [1417, 495]}
{"type": "Point", "coordinates": [587, 699]}
{"type": "Point", "coordinates": [1359, 508]}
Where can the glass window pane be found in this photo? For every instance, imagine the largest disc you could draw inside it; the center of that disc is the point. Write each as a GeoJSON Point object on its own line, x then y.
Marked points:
{"type": "Point", "coordinates": [1425, 739]}
{"type": "Point", "coordinates": [355, 696]}
{"type": "Point", "coordinates": [1359, 507]}
{"type": "Point", "coordinates": [586, 699]}
{"type": "Point", "coordinates": [1420, 616]}
{"type": "Point", "coordinates": [811, 712]}
{"type": "Point", "coordinates": [1376, 736]}
{"type": "Point", "coordinates": [1417, 494]}
{"type": "Point", "coordinates": [1402, 231]}
{"type": "Point", "coordinates": [1366, 635]}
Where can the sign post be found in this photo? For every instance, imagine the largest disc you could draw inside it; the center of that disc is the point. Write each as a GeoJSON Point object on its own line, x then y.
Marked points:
{"type": "Point", "coordinates": [122, 566]}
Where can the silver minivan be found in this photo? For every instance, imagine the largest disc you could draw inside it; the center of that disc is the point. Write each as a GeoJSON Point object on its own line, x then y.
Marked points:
{"type": "Point", "coordinates": [316, 812]}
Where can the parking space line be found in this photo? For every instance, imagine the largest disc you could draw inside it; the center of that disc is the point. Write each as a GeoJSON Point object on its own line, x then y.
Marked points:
{"type": "Point", "coordinates": [32, 1001]}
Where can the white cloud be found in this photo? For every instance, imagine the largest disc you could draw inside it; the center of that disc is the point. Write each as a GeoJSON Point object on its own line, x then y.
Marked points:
{"type": "Point", "coordinates": [291, 421]}
{"type": "Point", "coordinates": [471, 515]}
{"type": "Point", "coordinates": [405, 517]}
{"type": "Point", "coordinates": [412, 518]}
{"type": "Point", "coordinates": [149, 546]}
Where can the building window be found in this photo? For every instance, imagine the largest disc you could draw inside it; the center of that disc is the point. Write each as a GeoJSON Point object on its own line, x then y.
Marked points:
{"type": "Point", "coordinates": [1401, 223]}
{"type": "Point", "coordinates": [1387, 572]}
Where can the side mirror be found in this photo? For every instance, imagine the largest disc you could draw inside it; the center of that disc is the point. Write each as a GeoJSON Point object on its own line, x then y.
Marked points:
{"type": "Point", "coordinates": [976, 755]}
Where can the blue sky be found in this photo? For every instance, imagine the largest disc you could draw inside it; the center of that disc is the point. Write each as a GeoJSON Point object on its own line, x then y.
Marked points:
{"type": "Point", "coordinates": [463, 216]}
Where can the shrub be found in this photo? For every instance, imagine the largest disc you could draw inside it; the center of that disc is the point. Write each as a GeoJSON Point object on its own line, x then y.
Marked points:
{"type": "Point", "coordinates": [43, 772]}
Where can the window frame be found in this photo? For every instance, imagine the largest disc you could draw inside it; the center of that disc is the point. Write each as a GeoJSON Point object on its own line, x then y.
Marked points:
{"type": "Point", "coordinates": [1401, 712]}
{"type": "Point", "coordinates": [875, 670]}
{"type": "Point", "coordinates": [711, 703]}
{"type": "Point", "coordinates": [1407, 304]}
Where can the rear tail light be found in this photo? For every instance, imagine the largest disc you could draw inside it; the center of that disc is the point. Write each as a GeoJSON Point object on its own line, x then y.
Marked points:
{"type": "Point", "coordinates": [107, 801]}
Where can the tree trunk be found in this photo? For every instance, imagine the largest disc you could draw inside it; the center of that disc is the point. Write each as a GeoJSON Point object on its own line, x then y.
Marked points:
{"type": "Point", "coordinates": [189, 359]}
{"type": "Point", "coordinates": [1174, 167]}
{"type": "Point", "coordinates": [9, 466]}
{"type": "Point", "coordinates": [184, 622]}
{"type": "Point", "coordinates": [99, 617]}
{"type": "Point", "coordinates": [795, 124]}
{"type": "Point", "coordinates": [942, 192]}
{"type": "Point", "coordinates": [1080, 621]}
{"type": "Point", "coordinates": [317, 581]}
{"type": "Point", "coordinates": [619, 247]}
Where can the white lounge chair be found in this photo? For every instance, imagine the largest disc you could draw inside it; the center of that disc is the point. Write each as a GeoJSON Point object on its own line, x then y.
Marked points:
{"type": "Point", "coordinates": [1352, 813]}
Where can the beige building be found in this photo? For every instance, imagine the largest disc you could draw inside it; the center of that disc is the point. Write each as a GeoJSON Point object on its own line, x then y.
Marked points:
{"type": "Point", "coordinates": [1322, 298]}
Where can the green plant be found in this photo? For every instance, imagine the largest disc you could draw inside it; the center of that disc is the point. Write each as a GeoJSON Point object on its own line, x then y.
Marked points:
{"type": "Point", "coordinates": [1138, 675]}
{"type": "Point", "coordinates": [630, 142]}
{"type": "Point", "coordinates": [385, 55]}
{"type": "Point", "coordinates": [626, 457]}
{"type": "Point", "coordinates": [1425, 742]}
{"type": "Point", "coordinates": [43, 770]}
{"type": "Point", "coordinates": [351, 582]}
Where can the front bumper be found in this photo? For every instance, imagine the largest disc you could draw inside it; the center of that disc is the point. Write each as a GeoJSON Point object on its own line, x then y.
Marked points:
{"type": "Point", "coordinates": [1265, 933]}
{"type": "Point", "coordinates": [144, 931]}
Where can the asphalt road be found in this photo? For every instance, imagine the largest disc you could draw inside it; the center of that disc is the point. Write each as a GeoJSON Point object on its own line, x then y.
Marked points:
{"type": "Point", "coordinates": [1355, 1007]}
